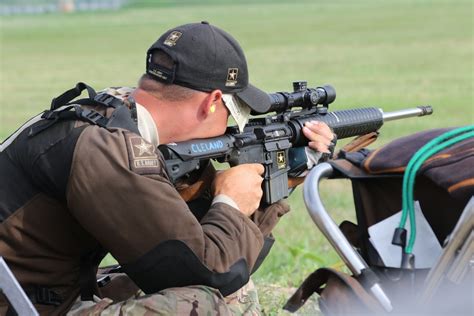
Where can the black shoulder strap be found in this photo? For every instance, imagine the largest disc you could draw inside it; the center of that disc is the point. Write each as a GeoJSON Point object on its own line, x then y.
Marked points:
{"type": "Point", "coordinates": [88, 274]}
{"type": "Point", "coordinates": [94, 99]}
{"type": "Point", "coordinates": [72, 110]}
{"type": "Point", "coordinates": [71, 94]}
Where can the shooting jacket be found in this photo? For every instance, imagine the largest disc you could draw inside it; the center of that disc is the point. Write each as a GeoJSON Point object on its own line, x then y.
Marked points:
{"type": "Point", "coordinates": [75, 191]}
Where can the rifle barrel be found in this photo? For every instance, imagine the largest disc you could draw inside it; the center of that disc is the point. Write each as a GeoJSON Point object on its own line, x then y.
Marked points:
{"type": "Point", "coordinates": [353, 122]}
{"type": "Point", "coordinates": [418, 111]}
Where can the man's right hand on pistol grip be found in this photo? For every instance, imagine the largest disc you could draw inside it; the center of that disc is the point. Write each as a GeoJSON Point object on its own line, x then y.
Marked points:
{"type": "Point", "coordinates": [243, 184]}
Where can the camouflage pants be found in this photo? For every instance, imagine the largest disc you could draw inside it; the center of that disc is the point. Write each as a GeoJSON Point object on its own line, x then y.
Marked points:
{"type": "Point", "coordinates": [191, 300]}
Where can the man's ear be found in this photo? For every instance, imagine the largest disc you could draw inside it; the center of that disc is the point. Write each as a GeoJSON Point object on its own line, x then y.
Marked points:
{"type": "Point", "coordinates": [216, 96]}
{"type": "Point", "coordinates": [210, 103]}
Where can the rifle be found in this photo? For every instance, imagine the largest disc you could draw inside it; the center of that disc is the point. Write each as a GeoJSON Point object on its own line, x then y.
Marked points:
{"type": "Point", "coordinates": [269, 139]}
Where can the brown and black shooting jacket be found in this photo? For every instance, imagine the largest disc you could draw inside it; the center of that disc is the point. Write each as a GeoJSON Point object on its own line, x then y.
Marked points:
{"type": "Point", "coordinates": [75, 191]}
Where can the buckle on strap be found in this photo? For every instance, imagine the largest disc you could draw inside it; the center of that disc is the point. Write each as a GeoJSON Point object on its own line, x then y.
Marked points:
{"type": "Point", "coordinates": [92, 116]}
{"type": "Point", "coordinates": [48, 297]}
{"type": "Point", "coordinates": [108, 100]}
{"type": "Point", "coordinates": [43, 295]}
{"type": "Point", "coordinates": [50, 115]}
{"type": "Point", "coordinates": [55, 114]}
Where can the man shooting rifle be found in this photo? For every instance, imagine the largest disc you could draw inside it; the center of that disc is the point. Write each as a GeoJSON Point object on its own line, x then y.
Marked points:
{"type": "Point", "coordinates": [84, 178]}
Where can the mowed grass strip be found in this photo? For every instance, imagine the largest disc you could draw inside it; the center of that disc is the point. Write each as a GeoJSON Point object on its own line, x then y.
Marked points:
{"type": "Point", "coordinates": [391, 54]}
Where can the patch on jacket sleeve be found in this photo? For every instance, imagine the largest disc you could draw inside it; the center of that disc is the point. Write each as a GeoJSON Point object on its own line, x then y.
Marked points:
{"type": "Point", "coordinates": [141, 155]}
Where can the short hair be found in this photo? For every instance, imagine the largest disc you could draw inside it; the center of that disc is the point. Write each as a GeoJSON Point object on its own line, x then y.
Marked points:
{"type": "Point", "coordinates": [169, 92]}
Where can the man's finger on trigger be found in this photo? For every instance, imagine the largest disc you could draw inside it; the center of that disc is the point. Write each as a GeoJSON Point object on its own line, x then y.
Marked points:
{"type": "Point", "coordinates": [259, 168]}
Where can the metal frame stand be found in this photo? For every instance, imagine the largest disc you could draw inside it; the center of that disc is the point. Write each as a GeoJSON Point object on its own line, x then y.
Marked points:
{"type": "Point", "coordinates": [332, 232]}
{"type": "Point", "coordinates": [10, 287]}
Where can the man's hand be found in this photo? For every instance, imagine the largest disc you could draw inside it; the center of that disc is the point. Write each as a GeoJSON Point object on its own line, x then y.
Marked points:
{"type": "Point", "coordinates": [320, 136]}
{"type": "Point", "coordinates": [243, 184]}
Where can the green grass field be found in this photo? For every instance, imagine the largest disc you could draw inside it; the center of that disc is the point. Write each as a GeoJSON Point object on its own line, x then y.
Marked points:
{"type": "Point", "coordinates": [391, 54]}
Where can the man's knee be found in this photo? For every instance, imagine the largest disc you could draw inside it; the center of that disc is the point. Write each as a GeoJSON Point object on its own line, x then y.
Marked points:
{"type": "Point", "coordinates": [191, 300]}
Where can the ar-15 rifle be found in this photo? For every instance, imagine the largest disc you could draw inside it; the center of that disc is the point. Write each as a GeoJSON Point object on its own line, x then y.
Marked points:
{"type": "Point", "coordinates": [268, 140]}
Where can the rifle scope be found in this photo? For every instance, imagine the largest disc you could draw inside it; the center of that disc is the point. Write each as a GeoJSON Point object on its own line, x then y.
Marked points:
{"type": "Point", "coordinates": [302, 96]}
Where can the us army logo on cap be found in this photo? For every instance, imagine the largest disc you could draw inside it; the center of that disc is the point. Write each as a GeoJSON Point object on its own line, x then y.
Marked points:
{"type": "Point", "coordinates": [232, 77]}
{"type": "Point", "coordinates": [142, 156]}
{"type": "Point", "coordinates": [281, 161]}
{"type": "Point", "coordinates": [172, 38]}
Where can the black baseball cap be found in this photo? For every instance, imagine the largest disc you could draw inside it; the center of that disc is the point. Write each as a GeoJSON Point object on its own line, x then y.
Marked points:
{"type": "Point", "coordinates": [206, 58]}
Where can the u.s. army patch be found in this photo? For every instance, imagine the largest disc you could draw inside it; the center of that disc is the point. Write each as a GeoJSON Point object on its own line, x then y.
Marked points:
{"type": "Point", "coordinates": [232, 74]}
{"type": "Point", "coordinates": [281, 160]}
{"type": "Point", "coordinates": [142, 156]}
{"type": "Point", "coordinates": [172, 38]}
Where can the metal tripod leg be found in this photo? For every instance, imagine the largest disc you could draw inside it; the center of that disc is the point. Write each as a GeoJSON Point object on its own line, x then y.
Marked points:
{"type": "Point", "coordinates": [457, 255]}
{"type": "Point", "coordinates": [10, 287]}
{"type": "Point", "coordinates": [332, 232]}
